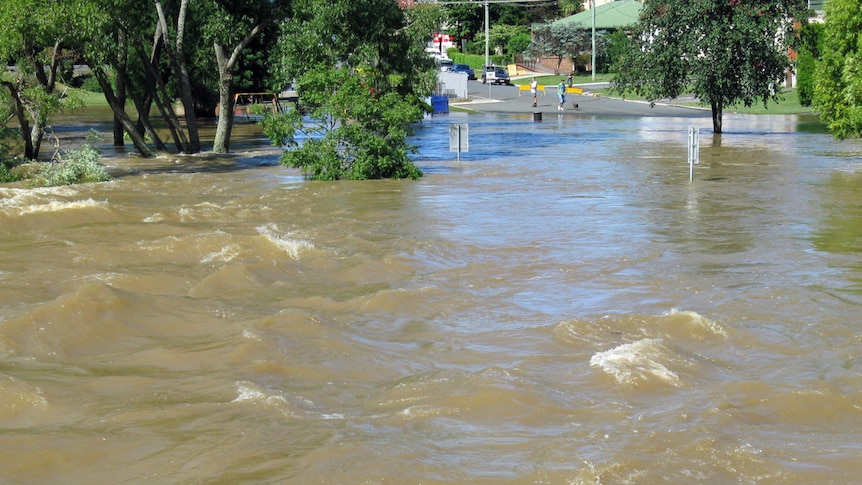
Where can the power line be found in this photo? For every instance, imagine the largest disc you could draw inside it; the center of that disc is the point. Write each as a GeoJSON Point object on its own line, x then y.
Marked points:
{"type": "Point", "coordinates": [482, 2]}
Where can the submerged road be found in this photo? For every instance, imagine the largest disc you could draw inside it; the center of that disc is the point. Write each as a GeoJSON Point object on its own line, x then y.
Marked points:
{"type": "Point", "coordinates": [509, 99]}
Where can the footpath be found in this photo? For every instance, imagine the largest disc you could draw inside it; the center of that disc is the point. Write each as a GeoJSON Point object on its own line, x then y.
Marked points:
{"type": "Point", "coordinates": [512, 99]}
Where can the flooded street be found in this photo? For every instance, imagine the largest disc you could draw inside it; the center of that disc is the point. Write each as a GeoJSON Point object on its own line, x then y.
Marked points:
{"type": "Point", "coordinates": [562, 306]}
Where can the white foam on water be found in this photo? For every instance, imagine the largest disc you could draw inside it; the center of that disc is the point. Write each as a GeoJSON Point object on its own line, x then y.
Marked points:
{"type": "Point", "coordinates": [293, 247]}
{"type": "Point", "coordinates": [226, 254]}
{"type": "Point", "coordinates": [295, 408]}
{"type": "Point", "coordinates": [251, 335]}
{"type": "Point", "coordinates": [57, 206]}
{"type": "Point", "coordinates": [41, 200]}
{"type": "Point", "coordinates": [637, 362]}
{"type": "Point", "coordinates": [248, 392]}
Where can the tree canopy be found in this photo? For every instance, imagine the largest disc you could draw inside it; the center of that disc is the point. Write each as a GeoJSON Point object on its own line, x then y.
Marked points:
{"type": "Point", "coordinates": [838, 90]}
{"type": "Point", "coordinates": [724, 52]}
{"type": "Point", "coordinates": [561, 41]}
{"type": "Point", "coordinates": [361, 72]}
{"type": "Point", "coordinates": [152, 53]}
{"type": "Point", "coordinates": [38, 46]}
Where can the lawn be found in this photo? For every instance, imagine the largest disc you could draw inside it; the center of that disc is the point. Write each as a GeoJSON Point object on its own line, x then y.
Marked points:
{"type": "Point", "coordinates": [553, 80]}
{"type": "Point", "coordinates": [788, 104]}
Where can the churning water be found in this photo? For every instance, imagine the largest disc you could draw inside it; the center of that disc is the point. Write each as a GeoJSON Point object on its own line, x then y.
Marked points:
{"type": "Point", "coordinates": [560, 306]}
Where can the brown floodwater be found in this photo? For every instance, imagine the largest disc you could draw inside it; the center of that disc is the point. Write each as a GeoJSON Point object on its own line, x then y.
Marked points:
{"type": "Point", "coordinates": [562, 306]}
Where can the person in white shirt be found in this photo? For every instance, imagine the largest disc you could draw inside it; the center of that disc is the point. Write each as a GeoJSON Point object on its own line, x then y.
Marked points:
{"type": "Point", "coordinates": [534, 87]}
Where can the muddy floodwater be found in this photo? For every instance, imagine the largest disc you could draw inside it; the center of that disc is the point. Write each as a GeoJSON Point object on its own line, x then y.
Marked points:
{"type": "Point", "coordinates": [562, 306]}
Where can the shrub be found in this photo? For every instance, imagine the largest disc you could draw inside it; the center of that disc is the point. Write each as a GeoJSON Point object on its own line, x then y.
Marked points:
{"type": "Point", "coordinates": [6, 175]}
{"type": "Point", "coordinates": [91, 84]}
{"type": "Point", "coordinates": [78, 166]}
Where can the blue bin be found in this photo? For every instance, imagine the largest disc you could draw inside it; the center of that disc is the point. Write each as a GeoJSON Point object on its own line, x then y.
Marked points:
{"type": "Point", "coordinates": [440, 104]}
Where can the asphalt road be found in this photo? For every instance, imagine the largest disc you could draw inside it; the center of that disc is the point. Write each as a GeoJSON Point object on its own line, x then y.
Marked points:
{"type": "Point", "coordinates": [509, 99]}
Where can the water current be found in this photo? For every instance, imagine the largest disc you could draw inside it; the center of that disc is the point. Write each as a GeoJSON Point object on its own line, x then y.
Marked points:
{"type": "Point", "coordinates": [560, 306]}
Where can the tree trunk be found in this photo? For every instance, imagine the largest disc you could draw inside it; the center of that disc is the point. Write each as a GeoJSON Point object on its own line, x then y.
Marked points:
{"type": "Point", "coordinates": [221, 144]}
{"type": "Point", "coordinates": [143, 125]}
{"type": "Point", "coordinates": [120, 113]}
{"type": "Point", "coordinates": [159, 92]}
{"type": "Point", "coordinates": [37, 132]}
{"type": "Point", "coordinates": [181, 71]}
{"type": "Point", "coordinates": [121, 87]}
{"type": "Point", "coordinates": [225, 87]}
{"type": "Point", "coordinates": [22, 120]}
{"type": "Point", "coordinates": [717, 109]}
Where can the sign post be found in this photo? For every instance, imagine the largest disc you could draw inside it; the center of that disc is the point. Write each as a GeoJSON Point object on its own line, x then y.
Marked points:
{"type": "Point", "coordinates": [459, 139]}
{"type": "Point", "coordinates": [693, 150]}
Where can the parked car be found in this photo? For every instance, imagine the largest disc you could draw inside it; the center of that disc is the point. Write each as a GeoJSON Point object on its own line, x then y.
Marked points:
{"type": "Point", "coordinates": [445, 64]}
{"type": "Point", "coordinates": [496, 75]}
{"type": "Point", "coordinates": [466, 69]}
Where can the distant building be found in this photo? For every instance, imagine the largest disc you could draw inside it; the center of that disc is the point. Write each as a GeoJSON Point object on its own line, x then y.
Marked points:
{"type": "Point", "coordinates": [817, 6]}
{"type": "Point", "coordinates": [589, 3]}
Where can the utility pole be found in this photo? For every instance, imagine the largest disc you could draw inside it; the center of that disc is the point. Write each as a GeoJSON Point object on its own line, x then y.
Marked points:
{"type": "Point", "coordinates": [487, 36]}
{"type": "Point", "coordinates": [487, 21]}
{"type": "Point", "coordinates": [593, 61]}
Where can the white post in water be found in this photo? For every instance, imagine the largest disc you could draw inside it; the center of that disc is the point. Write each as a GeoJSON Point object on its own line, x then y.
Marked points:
{"type": "Point", "coordinates": [693, 150]}
{"type": "Point", "coordinates": [459, 139]}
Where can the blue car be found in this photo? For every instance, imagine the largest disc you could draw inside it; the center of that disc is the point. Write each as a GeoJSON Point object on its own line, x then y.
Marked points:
{"type": "Point", "coordinates": [464, 68]}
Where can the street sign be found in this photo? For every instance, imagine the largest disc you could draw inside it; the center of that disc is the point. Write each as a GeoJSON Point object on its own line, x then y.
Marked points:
{"type": "Point", "coordinates": [459, 138]}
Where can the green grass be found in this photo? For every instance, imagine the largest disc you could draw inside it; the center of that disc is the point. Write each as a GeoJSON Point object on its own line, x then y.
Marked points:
{"type": "Point", "coordinates": [553, 80]}
{"type": "Point", "coordinates": [787, 105]}
{"type": "Point", "coordinates": [92, 99]}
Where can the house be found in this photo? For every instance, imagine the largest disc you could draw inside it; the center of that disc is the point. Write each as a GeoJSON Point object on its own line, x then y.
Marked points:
{"type": "Point", "coordinates": [610, 15]}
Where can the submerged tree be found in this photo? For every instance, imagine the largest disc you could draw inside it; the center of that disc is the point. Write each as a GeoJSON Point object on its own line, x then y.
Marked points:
{"type": "Point", "coordinates": [231, 26]}
{"type": "Point", "coordinates": [361, 74]}
{"type": "Point", "coordinates": [838, 90]}
{"type": "Point", "coordinates": [724, 52]}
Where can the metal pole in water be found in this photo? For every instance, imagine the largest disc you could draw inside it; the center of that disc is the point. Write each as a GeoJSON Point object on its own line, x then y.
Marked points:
{"type": "Point", "coordinates": [459, 144]}
{"type": "Point", "coordinates": [693, 150]}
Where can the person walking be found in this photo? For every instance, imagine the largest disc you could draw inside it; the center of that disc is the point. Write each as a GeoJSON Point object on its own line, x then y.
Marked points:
{"type": "Point", "coordinates": [534, 88]}
{"type": "Point", "coordinates": [561, 93]}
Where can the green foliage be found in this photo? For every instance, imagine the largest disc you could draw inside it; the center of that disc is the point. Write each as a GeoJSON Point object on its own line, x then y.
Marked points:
{"type": "Point", "coordinates": [361, 72]}
{"type": "Point", "coordinates": [77, 166]}
{"type": "Point", "coordinates": [91, 84]}
{"type": "Point", "coordinates": [615, 48]}
{"type": "Point", "coordinates": [5, 175]}
{"type": "Point", "coordinates": [501, 35]}
{"type": "Point", "coordinates": [519, 43]}
{"type": "Point", "coordinates": [352, 130]}
{"type": "Point", "coordinates": [473, 60]}
{"type": "Point", "coordinates": [464, 20]}
{"type": "Point", "coordinates": [838, 88]}
{"type": "Point", "coordinates": [806, 61]}
{"type": "Point", "coordinates": [561, 41]}
{"type": "Point", "coordinates": [571, 7]}
{"type": "Point", "coordinates": [723, 51]}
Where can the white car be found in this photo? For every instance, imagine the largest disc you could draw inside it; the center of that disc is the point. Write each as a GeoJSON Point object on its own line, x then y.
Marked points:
{"type": "Point", "coordinates": [445, 64]}
{"type": "Point", "coordinates": [495, 75]}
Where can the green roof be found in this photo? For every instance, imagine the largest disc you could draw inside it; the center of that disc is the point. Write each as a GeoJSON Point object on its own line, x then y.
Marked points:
{"type": "Point", "coordinates": [612, 15]}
